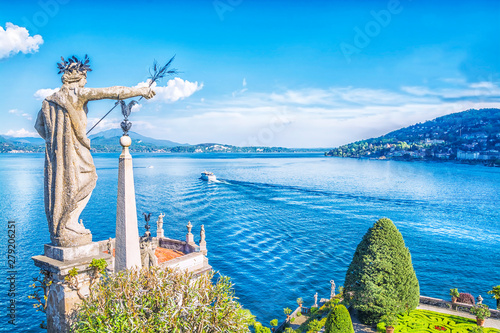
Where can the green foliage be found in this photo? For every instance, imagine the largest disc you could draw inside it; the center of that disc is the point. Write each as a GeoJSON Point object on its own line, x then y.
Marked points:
{"type": "Point", "coordinates": [481, 311]}
{"type": "Point", "coordinates": [71, 273]}
{"type": "Point", "coordinates": [495, 291]}
{"type": "Point", "coordinates": [381, 278]}
{"type": "Point", "coordinates": [454, 293]}
{"type": "Point", "coordinates": [299, 314]}
{"type": "Point", "coordinates": [274, 322]}
{"type": "Point", "coordinates": [98, 265]}
{"type": "Point", "coordinates": [300, 301]}
{"type": "Point", "coordinates": [339, 321]}
{"type": "Point", "coordinates": [261, 329]}
{"type": "Point", "coordinates": [161, 300]}
{"type": "Point", "coordinates": [287, 311]}
{"type": "Point", "coordinates": [428, 321]}
{"type": "Point", "coordinates": [477, 329]}
{"type": "Point", "coordinates": [313, 310]}
{"type": "Point", "coordinates": [390, 319]}
{"type": "Point", "coordinates": [41, 289]}
{"type": "Point", "coordinates": [314, 326]}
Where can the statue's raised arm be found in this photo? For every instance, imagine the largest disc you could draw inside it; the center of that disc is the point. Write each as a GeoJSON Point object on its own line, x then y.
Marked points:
{"type": "Point", "coordinates": [70, 174]}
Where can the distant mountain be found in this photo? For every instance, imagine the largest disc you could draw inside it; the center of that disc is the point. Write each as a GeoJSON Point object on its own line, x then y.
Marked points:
{"type": "Point", "coordinates": [111, 138]}
{"type": "Point", "coordinates": [109, 141]}
{"type": "Point", "coordinates": [471, 136]}
{"type": "Point", "coordinates": [26, 140]}
{"type": "Point", "coordinates": [12, 144]}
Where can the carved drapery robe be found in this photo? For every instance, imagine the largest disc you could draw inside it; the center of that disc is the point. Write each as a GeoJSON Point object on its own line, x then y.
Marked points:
{"type": "Point", "coordinates": [70, 174]}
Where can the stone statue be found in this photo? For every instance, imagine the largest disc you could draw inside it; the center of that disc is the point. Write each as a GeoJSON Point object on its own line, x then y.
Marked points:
{"type": "Point", "coordinates": [159, 225]}
{"type": "Point", "coordinates": [70, 174]}
{"type": "Point", "coordinates": [202, 233]}
{"type": "Point", "coordinates": [332, 292]}
{"type": "Point", "coordinates": [316, 299]}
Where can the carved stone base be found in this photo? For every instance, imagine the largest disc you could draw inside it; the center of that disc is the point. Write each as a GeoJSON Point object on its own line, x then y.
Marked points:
{"type": "Point", "coordinates": [71, 239]}
{"type": "Point", "coordinates": [63, 297]}
{"type": "Point", "coordinates": [71, 253]}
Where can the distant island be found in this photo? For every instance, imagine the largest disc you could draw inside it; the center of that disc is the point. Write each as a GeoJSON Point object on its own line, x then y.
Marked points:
{"type": "Point", "coordinates": [471, 136]}
{"type": "Point", "coordinates": [108, 142]}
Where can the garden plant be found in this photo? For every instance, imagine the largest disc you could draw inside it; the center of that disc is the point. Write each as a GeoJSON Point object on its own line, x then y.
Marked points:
{"type": "Point", "coordinates": [381, 278]}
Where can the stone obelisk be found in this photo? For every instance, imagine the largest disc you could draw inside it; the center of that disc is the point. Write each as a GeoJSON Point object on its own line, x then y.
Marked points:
{"type": "Point", "coordinates": [127, 251]}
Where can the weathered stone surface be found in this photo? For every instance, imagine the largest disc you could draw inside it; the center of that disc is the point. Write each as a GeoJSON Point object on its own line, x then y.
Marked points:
{"type": "Point", "coordinates": [71, 253]}
{"type": "Point", "coordinates": [159, 226]}
{"type": "Point", "coordinates": [127, 251]}
{"type": "Point", "coordinates": [62, 299]}
{"type": "Point", "coordinates": [70, 175]}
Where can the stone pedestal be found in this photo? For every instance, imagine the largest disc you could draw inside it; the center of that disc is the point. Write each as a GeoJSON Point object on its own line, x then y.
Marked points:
{"type": "Point", "coordinates": [127, 249]}
{"type": "Point", "coordinates": [62, 298]}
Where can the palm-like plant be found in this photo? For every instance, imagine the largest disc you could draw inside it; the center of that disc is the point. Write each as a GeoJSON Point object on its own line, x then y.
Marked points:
{"type": "Point", "coordinates": [496, 295]}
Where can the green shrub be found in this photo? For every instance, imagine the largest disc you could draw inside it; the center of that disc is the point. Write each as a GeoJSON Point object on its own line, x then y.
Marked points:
{"type": "Point", "coordinates": [381, 278]}
{"type": "Point", "coordinates": [161, 300]}
{"type": "Point", "coordinates": [339, 320]}
{"type": "Point", "coordinates": [314, 326]}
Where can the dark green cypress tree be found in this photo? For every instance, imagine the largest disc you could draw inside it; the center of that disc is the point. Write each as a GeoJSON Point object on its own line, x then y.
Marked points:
{"type": "Point", "coordinates": [339, 320]}
{"type": "Point", "coordinates": [381, 278]}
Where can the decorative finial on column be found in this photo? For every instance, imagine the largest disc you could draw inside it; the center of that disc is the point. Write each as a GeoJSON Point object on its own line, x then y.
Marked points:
{"type": "Point", "coordinates": [189, 235]}
{"type": "Point", "coordinates": [126, 110]}
{"type": "Point", "coordinates": [147, 217]}
{"type": "Point", "coordinates": [479, 300]}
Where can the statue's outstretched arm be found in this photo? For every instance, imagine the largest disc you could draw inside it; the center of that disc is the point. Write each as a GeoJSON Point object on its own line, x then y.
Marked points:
{"type": "Point", "coordinates": [117, 92]}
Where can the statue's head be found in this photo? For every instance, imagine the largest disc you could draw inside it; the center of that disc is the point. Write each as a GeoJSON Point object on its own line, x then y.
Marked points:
{"type": "Point", "coordinates": [74, 70]}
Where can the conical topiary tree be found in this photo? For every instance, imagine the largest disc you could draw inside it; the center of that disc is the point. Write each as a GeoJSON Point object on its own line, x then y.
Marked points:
{"type": "Point", "coordinates": [381, 279]}
{"type": "Point", "coordinates": [339, 320]}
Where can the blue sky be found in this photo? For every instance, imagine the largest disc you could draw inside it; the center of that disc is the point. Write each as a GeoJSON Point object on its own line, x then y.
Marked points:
{"type": "Point", "coordinates": [294, 74]}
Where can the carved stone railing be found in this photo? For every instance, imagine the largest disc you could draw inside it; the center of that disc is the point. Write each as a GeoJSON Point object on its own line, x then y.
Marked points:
{"type": "Point", "coordinates": [462, 307]}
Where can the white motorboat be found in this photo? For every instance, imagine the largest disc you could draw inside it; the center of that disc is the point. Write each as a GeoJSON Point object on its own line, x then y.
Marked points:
{"type": "Point", "coordinates": [208, 176]}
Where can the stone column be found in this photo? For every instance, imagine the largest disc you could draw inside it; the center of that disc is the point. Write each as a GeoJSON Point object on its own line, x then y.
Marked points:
{"type": "Point", "coordinates": [127, 250]}
{"type": "Point", "coordinates": [203, 243]}
{"type": "Point", "coordinates": [189, 235]}
{"type": "Point", "coordinates": [64, 296]}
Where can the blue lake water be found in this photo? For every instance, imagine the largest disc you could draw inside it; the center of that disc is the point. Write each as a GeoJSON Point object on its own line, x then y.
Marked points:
{"type": "Point", "coordinates": [281, 226]}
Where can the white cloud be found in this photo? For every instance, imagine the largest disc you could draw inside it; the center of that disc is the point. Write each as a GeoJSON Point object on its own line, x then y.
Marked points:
{"type": "Point", "coordinates": [475, 89]}
{"type": "Point", "coordinates": [27, 116]}
{"type": "Point", "coordinates": [41, 94]}
{"type": "Point", "coordinates": [323, 117]}
{"type": "Point", "coordinates": [136, 108]}
{"type": "Point", "coordinates": [21, 133]}
{"type": "Point", "coordinates": [176, 89]}
{"type": "Point", "coordinates": [241, 91]}
{"type": "Point", "coordinates": [14, 111]}
{"type": "Point", "coordinates": [15, 39]}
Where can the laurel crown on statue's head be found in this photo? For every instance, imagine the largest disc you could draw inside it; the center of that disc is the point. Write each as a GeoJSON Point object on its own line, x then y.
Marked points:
{"type": "Point", "coordinates": [74, 64]}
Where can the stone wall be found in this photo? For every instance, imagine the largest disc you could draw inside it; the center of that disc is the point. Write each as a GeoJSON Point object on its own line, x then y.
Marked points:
{"type": "Point", "coordinates": [177, 245]}
{"type": "Point", "coordinates": [441, 303]}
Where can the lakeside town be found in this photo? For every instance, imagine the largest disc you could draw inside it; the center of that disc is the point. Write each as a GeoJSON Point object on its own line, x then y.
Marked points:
{"type": "Point", "coordinates": [471, 136]}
